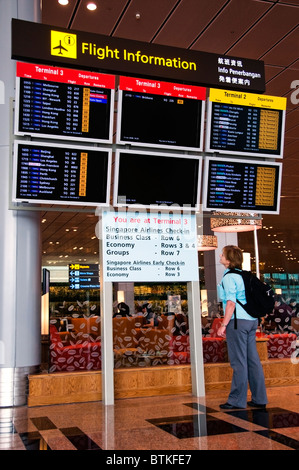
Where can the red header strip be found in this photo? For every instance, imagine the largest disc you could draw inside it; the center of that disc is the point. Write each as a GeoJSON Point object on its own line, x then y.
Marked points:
{"type": "Point", "coordinates": [162, 88]}
{"type": "Point", "coordinates": [64, 75]}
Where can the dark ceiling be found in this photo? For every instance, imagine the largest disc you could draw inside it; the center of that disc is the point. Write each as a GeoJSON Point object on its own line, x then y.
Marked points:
{"type": "Point", "coordinates": [263, 30]}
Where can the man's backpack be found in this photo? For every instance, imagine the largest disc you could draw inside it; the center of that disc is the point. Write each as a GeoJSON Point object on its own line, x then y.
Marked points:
{"type": "Point", "coordinates": [259, 295]}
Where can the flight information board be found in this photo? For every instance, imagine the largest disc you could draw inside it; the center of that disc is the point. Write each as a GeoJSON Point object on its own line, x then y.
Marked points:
{"type": "Point", "coordinates": [61, 174]}
{"type": "Point", "coordinates": [65, 103]}
{"type": "Point", "coordinates": [160, 114]}
{"type": "Point", "coordinates": [245, 124]}
{"type": "Point", "coordinates": [84, 276]}
{"type": "Point", "coordinates": [176, 178]}
{"type": "Point", "coordinates": [240, 185]}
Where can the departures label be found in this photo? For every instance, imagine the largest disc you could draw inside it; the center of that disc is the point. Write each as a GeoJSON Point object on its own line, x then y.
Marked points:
{"type": "Point", "coordinates": [149, 247]}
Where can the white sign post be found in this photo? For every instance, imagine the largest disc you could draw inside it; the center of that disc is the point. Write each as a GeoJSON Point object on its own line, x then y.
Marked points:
{"type": "Point", "coordinates": [142, 247]}
{"type": "Point", "coordinates": [149, 247]}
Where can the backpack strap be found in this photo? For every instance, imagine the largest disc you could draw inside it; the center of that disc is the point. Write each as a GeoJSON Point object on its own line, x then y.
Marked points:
{"type": "Point", "coordinates": [234, 271]}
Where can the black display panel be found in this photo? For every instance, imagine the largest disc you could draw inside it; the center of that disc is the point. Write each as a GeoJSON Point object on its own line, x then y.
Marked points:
{"type": "Point", "coordinates": [239, 185]}
{"type": "Point", "coordinates": [61, 174]}
{"type": "Point", "coordinates": [153, 180]}
{"type": "Point", "coordinates": [237, 129]}
{"type": "Point", "coordinates": [46, 281]}
{"type": "Point", "coordinates": [159, 114]}
{"type": "Point", "coordinates": [67, 106]}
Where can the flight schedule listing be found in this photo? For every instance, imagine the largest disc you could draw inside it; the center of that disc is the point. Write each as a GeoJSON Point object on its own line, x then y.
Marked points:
{"type": "Point", "coordinates": [238, 185]}
{"type": "Point", "coordinates": [178, 112]}
{"type": "Point", "coordinates": [245, 123]}
{"type": "Point", "coordinates": [61, 174]}
{"type": "Point", "coordinates": [65, 105]}
{"type": "Point", "coordinates": [241, 128]}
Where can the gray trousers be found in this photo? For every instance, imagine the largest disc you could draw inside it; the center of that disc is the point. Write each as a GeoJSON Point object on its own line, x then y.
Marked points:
{"type": "Point", "coordinates": [246, 364]}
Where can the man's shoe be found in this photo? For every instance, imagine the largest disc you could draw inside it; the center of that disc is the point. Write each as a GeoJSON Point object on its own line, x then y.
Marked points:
{"type": "Point", "coordinates": [255, 405]}
{"type": "Point", "coordinates": [228, 406]}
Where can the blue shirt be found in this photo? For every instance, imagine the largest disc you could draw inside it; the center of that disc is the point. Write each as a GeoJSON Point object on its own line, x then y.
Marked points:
{"type": "Point", "coordinates": [232, 288]}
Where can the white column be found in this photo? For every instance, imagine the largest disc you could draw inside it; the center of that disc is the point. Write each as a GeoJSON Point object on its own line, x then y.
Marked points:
{"type": "Point", "coordinates": [223, 240]}
{"type": "Point", "coordinates": [20, 250]}
{"type": "Point", "coordinates": [195, 333]}
{"type": "Point", "coordinates": [106, 327]}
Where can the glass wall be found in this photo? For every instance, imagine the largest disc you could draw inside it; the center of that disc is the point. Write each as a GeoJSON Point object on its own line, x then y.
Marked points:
{"type": "Point", "coordinates": [152, 329]}
{"type": "Point", "coordinates": [74, 330]}
{"type": "Point", "coordinates": [156, 330]}
{"type": "Point", "coordinates": [285, 316]}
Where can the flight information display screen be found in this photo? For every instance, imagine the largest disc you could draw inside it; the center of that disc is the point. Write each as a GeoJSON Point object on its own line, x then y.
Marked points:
{"type": "Point", "coordinates": [245, 124]}
{"type": "Point", "coordinates": [61, 174]}
{"type": "Point", "coordinates": [145, 179]}
{"type": "Point", "coordinates": [65, 103]}
{"type": "Point", "coordinates": [160, 114]}
{"type": "Point", "coordinates": [238, 185]}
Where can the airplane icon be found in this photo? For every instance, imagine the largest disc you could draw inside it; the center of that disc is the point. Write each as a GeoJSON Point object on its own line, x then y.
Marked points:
{"type": "Point", "coordinates": [61, 48]}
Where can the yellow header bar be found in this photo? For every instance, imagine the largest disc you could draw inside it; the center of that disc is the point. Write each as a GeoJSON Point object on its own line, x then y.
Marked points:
{"type": "Point", "coordinates": [247, 99]}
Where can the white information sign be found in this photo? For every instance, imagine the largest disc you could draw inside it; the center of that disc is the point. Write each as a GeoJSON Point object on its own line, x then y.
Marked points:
{"type": "Point", "coordinates": [153, 247]}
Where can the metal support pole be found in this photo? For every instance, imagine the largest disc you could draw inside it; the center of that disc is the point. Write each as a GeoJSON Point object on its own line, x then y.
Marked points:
{"type": "Point", "coordinates": [106, 291]}
{"type": "Point", "coordinates": [195, 333]}
{"type": "Point", "coordinates": [256, 249]}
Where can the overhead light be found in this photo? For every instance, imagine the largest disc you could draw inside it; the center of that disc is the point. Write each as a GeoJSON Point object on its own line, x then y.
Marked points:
{"type": "Point", "coordinates": [206, 242]}
{"type": "Point", "coordinates": [236, 223]}
{"type": "Point", "coordinates": [91, 6]}
{"type": "Point", "coordinates": [63, 2]}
